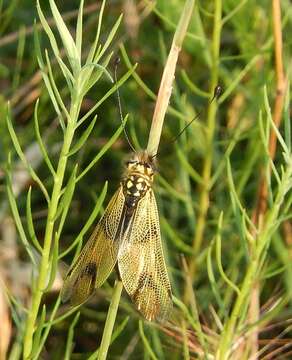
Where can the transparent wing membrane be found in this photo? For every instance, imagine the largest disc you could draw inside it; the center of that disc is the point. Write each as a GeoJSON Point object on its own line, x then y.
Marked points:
{"type": "Point", "coordinates": [98, 257]}
{"type": "Point", "coordinates": [141, 262]}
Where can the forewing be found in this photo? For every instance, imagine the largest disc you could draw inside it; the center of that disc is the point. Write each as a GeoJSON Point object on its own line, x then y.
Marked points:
{"type": "Point", "coordinates": [98, 257]}
{"type": "Point", "coordinates": [141, 262]}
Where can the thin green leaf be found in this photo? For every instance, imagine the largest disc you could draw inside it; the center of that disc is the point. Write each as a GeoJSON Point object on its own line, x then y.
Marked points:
{"type": "Point", "coordinates": [115, 335]}
{"type": "Point", "coordinates": [23, 158]}
{"type": "Point", "coordinates": [19, 57]}
{"type": "Point", "coordinates": [83, 138]}
{"type": "Point", "coordinates": [287, 120]}
{"type": "Point", "coordinates": [175, 239]}
{"type": "Point", "coordinates": [271, 122]}
{"type": "Point", "coordinates": [53, 263]}
{"type": "Point", "coordinates": [218, 256]}
{"type": "Point", "coordinates": [45, 75]}
{"type": "Point", "coordinates": [103, 150]}
{"type": "Point", "coordinates": [30, 225]}
{"type": "Point", "coordinates": [170, 189]}
{"type": "Point", "coordinates": [233, 12]}
{"type": "Point", "coordinates": [236, 198]}
{"type": "Point", "coordinates": [187, 167]}
{"type": "Point", "coordinates": [13, 301]}
{"type": "Point", "coordinates": [56, 92]}
{"type": "Point", "coordinates": [47, 328]}
{"type": "Point", "coordinates": [192, 86]}
{"type": "Point", "coordinates": [67, 74]}
{"type": "Point", "coordinates": [213, 281]}
{"type": "Point", "coordinates": [89, 222]}
{"type": "Point", "coordinates": [79, 27]}
{"type": "Point", "coordinates": [69, 344]}
{"type": "Point", "coordinates": [120, 328]}
{"type": "Point", "coordinates": [147, 346]}
{"type": "Point", "coordinates": [15, 213]}
{"type": "Point", "coordinates": [66, 199]}
{"type": "Point", "coordinates": [40, 141]}
{"type": "Point", "coordinates": [64, 316]}
{"type": "Point", "coordinates": [38, 331]}
{"type": "Point", "coordinates": [91, 77]}
{"type": "Point", "coordinates": [108, 39]}
{"type": "Point", "coordinates": [186, 312]}
{"type": "Point", "coordinates": [48, 30]}
{"type": "Point", "coordinates": [237, 79]}
{"type": "Point", "coordinates": [93, 52]}
{"type": "Point", "coordinates": [68, 42]}
{"type": "Point", "coordinates": [108, 94]}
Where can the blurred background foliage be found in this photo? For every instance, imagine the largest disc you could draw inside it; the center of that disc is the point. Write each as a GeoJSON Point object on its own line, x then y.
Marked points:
{"type": "Point", "coordinates": [246, 66]}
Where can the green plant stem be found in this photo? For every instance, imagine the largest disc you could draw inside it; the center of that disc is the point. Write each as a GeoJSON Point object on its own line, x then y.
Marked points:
{"type": "Point", "coordinates": [110, 321]}
{"type": "Point", "coordinates": [210, 131]}
{"type": "Point", "coordinates": [52, 211]}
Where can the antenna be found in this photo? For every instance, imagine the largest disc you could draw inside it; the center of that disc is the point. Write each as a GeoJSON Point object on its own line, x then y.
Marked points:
{"type": "Point", "coordinates": [216, 95]}
{"type": "Point", "coordinates": [116, 63]}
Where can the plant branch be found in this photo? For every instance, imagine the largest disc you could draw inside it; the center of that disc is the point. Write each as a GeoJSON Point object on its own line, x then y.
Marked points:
{"type": "Point", "coordinates": [210, 132]}
{"type": "Point", "coordinates": [165, 88]}
{"type": "Point", "coordinates": [52, 211]}
{"type": "Point", "coordinates": [262, 200]}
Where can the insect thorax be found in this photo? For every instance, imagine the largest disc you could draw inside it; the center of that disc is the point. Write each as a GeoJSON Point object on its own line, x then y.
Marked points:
{"type": "Point", "coordinates": [135, 187]}
{"type": "Point", "coordinates": [138, 179]}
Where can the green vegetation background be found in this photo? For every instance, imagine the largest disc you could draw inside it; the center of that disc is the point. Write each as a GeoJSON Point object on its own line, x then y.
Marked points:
{"type": "Point", "coordinates": [222, 257]}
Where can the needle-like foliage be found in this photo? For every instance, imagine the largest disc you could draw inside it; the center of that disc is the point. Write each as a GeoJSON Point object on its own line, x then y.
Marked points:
{"type": "Point", "coordinates": [223, 187]}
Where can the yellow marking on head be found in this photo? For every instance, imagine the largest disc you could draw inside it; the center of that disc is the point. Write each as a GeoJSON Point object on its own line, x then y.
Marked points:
{"type": "Point", "coordinates": [140, 168]}
{"type": "Point", "coordinates": [139, 186]}
{"type": "Point", "coordinates": [149, 171]}
{"type": "Point", "coordinates": [129, 184]}
{"type": "Point", "coordinates": [140, 180]}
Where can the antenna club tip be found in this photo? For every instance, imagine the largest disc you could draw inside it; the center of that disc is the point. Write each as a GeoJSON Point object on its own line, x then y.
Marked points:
{"type": "Point", "coordinates": [117, 61]}
{"type": "Point", "coordinates": [217, 91]}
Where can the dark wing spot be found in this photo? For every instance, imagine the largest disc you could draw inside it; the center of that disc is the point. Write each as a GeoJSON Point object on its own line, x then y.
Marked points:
{"type": "Point", "coordinates": [90, 271]}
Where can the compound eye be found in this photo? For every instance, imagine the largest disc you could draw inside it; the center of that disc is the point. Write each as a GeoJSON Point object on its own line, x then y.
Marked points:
{"type": "Point", "coordinates": [131, 162]}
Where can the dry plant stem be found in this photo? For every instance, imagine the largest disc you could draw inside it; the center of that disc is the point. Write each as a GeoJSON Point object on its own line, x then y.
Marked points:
{"type": "Point", "coordinates": [153, 142]}
{"type": "Point", "coordinates": [211, 123]}
{"type": "Point", "coordinates": [165, 88]}
{"type": "Point", "coordinates": [52, 210]}
{"type": "Point", "coordinates": [279, 101]}
{"type": "Point", "coordinates": [253, 317]}
{"type": "Point", "coordinates": [254, 308]}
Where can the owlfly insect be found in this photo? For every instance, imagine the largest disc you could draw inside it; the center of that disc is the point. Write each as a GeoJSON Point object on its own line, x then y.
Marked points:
{"type": "Point", "coordinates": [127, 234]}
